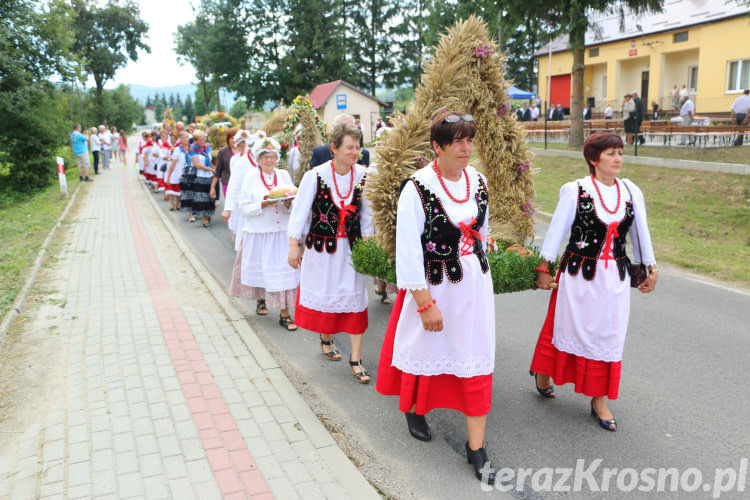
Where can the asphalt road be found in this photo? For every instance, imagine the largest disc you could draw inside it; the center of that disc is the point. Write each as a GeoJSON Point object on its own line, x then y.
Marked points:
{"type": "Point", "coordinates": [683, 400]}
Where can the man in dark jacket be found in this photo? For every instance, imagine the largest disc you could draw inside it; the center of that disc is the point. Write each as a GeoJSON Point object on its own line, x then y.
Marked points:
{"type": "Point", "coordinates": [558, 115]}
{"type": "Point", "coordinates": [322, 154]}
{"type": "Point", "coordinates": [639, 113]}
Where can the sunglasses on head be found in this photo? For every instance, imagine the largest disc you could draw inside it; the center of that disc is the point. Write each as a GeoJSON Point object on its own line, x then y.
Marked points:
{"type": "Point", "coordinates": [455, 118]}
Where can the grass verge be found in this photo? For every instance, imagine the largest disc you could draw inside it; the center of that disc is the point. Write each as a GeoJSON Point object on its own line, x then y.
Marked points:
{"type": "Point", "coordinates": [26, 223]}
{"type": "Point", "coordinates": [698, 220]}
{"type": "Point", "coordinates": [739, 155]}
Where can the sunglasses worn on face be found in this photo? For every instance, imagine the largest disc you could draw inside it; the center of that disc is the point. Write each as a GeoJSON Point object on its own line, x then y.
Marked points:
{"type": "Point", "coordinates": [455, 118]}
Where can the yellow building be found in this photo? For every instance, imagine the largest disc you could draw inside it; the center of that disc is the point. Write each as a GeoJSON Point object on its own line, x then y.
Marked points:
{"type": "Point", "coordinates": [701, 44]}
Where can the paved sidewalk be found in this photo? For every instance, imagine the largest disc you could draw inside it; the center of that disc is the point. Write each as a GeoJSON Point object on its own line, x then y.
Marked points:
{"type": "Point", "coordinates": [159, 394]}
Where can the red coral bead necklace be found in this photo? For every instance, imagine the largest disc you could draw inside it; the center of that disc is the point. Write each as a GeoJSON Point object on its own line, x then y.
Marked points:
{"type": "Point", "coordinates": [263, 178]}
{"type": "Point", "coordinates": [617, 206]}
{"type": "Point", "coordinates": [335, 184]}
{"type": "Point", "coordinates": [445, 188]}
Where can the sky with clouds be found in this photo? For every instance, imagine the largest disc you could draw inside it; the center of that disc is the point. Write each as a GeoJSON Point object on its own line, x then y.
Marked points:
{"type": "Point", "coordinates": [160, 67]}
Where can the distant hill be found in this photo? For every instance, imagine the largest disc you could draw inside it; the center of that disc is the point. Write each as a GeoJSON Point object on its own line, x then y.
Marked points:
{"type": "Point", "coordinates": [141, 92]}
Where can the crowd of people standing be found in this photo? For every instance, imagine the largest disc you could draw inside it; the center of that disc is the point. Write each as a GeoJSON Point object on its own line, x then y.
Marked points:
{"type": "Point", "coordinates": [104, 143]}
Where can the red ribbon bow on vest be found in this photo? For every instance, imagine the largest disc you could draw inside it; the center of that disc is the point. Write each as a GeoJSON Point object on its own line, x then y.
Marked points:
{"type": "Point", "coordinates": [607, 251]}
{"type": "Point", "coordinates": [344, 212]}
{"type": "Point", "coordinates": [468, 236]}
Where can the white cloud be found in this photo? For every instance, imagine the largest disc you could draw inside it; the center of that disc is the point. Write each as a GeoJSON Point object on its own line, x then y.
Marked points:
{"type": "Point", "coordinates": [160, 67]}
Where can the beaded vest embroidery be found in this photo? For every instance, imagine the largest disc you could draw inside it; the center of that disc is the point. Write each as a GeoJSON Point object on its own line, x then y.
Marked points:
{"type": "Point", "coordinates": [588, 235]}
{"type": "Point", "coordinates": [441, 239]}
{"type": "Point", "coordinates": [325, 218]}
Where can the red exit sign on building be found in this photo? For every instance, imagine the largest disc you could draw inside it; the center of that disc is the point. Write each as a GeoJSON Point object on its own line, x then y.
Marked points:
{"type": "Point", "coordinates": [633, 52]}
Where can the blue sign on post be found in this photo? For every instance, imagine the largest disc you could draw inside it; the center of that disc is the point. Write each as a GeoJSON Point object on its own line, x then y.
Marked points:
{"type": "Point", "coordinates": [340, 101]}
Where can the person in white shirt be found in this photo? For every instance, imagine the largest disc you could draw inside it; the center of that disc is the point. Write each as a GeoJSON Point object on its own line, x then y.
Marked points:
{"type": "Point", "coordinates": [608, 112]}
{"type": "Point", "coordinates": [261, 270]}
{"type": "Point", "coordinates": [675, 95]}
{"type": "Point", "coordinates": [95, 148]}
{"type": "Point", "coordinates": [239, 165]}
{"type": "Point", "coordinates": [534, 112]}
{"type": "Point", "coordinates": [439, 348]}
{"type": "Point", "coordinates": [178, 159]}
{"type": "Point", "coordinates": [683, 93]}
{"type": "Point", "coordinates": [687, 112]}
{"type": "Point", "coordinates": [331, 209]}
{"type": "Point", "coordinates": [584, 333]}
{"type": "Point", "coordinates": [741, 113]}
{"type": "Point", "coordinates": [105, 140]}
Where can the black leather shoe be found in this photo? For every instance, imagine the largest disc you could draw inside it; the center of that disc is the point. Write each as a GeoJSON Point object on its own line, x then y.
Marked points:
{"type": "Point", "coordinates": [483, 468]}
{"type": "Point", "coordinates": [418, 426]}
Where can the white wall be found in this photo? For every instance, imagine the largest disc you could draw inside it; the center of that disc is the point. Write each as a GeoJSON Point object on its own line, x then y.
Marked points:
{"type": "Point", "coordinates": [356, 104]}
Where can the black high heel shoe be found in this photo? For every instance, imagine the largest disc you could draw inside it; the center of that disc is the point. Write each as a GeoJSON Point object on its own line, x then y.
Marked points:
{"type": "Point", "coordinates": [605, 424]}
{"type": "Point", "coordinates": [482, 465]}
{"type": "Point", "coordinates": [418, 427]}
{"type": "Point", "coordinates": [549, 392]}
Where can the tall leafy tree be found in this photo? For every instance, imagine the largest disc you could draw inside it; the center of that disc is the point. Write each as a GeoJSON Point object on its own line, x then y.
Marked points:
{"type": "Point", "coordinates": [187, 110]}
{"type": "Point", "coordinates": [34, 45]}
{"type": "Point", "coordinates": [192, 46]}
{"type": "Point", "coordinates": [375, 29]}
{"type": "Point", "coordinates": [315, 52]}
{"type": "Point", "coordinates": [264, 21]}
{"type": "Point", "coordinates": [106, 38]}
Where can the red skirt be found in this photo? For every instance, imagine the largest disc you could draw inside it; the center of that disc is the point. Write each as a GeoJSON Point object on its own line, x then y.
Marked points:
{"type": "Point", "coordinates": [590, 377]}
{"type": "Point", "coordinates": [354, 323]}
{"type": "Point", "coordinates": [471, 396]}
{"type": "Point", "coordinates": [173, 189]}
{"type": "Point", "coordinates": [160, 186]}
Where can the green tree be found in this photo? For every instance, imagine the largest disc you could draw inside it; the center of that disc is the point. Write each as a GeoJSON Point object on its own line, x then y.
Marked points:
{"type": "Point", "coordinates": [315, 53]}
{"type": "Point", "coordinates": [239, 108]}
{"type": "Point", "coordinates": [34, 45]}
{"type": "Point", "coordinates": [192, 47]}
{"type": "Point", "coordinates": [187, 110]}
{"type": "Point", "coordinates": [159, 108]}
{"type": "Point", "coordinates": [371, 57]}
{"type": "Point", "coordinates": [266, 32]}
{"type": "Point", "coordinates": [106, 38]}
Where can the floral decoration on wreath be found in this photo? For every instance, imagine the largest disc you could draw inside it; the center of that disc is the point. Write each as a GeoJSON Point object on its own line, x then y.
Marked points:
{"type": "Point", "coordinates": [216, 117]}
{"type": "Point", "coordinates": [287, 136]}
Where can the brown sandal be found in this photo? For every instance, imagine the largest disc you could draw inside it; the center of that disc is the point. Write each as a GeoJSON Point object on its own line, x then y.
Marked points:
{"type": "Point", "coordinates": [260, 309]}
{"type": "Point", "coordinates": [287, 322]}
{"type": "Point", "coordinates": [332, 355]}
{"type": "Point", "coordinates": [361, 375]}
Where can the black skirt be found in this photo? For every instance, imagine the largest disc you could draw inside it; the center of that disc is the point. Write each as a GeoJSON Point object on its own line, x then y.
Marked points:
{"type": "Point", "coordinates": [202, 202]}
{"type": "Point", "coordinates": [186, 192]}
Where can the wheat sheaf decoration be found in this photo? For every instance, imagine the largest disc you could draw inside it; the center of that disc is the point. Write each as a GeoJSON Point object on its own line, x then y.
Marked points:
{"type": "Point", "coordinates": [466, 74]}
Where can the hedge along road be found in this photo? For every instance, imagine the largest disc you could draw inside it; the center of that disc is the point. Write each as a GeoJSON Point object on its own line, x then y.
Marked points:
{"type": "Point", "coordinates": [681, 399]}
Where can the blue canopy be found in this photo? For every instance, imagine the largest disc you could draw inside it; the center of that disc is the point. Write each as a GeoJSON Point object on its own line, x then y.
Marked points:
{"type": "Point", "coordinates": [516, 93]}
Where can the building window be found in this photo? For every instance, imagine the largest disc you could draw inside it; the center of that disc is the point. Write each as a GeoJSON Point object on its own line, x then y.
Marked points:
{"type": "Point", "coordinates": [682, 36]}
{"type": "Point", "coordinates": [738, 74]}
{"type": "Point", "coordinates": [594, 52]}
{"type": "Point", "coordinates": [693, 79]}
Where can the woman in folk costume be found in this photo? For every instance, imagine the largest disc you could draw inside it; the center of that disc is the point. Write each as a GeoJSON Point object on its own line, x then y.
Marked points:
{"type": "Point", "coordinates": [584, 333]}
{"type": "Point", "coordinates": [176, 168]}
{"type": "Point", "coordinates": [439, 347]}
{"type": "Point", "coordinates": [240, 164]}
{"type": "Point", "coordinates": [165, 157]}
{"type": "Point", "coordinates": [331, 209]}
{"type": "Point", "coordinates": [261, 271]}
{"type": "Point", "coordinates": [149, 160]}
{"type": "Point", "coordinates": [139, 154]}
{"type": "Point", "coordinates": [292, 161]}
{"type": "Point", "coordinates": [200, 157]}
{"type": "Point", "coordinates": [223, 159]}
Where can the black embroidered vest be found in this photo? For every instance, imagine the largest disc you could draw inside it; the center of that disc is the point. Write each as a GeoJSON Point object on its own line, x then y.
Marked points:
{"type": "Point", "coordinates": [588, 235]}
{"type": "Point", "coordinates": [325, 218]}
{"type": "Point", "coordinates": [441, 239]}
